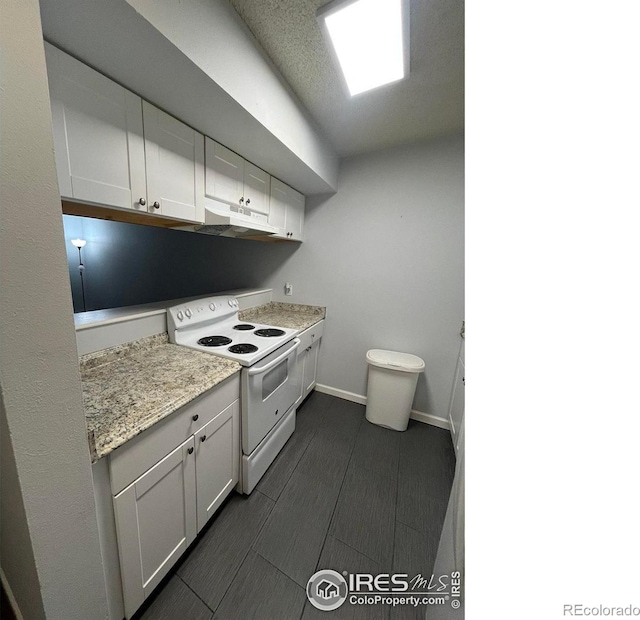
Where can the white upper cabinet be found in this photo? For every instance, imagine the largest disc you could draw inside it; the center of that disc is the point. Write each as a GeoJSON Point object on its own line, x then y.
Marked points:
{"type": "Point", "coordinates": [98, 135]}
{"type": "Point", "coordinates": [278, 207]}
{"type": "Point", "coordinates": [224, 173]}
{"type": "Point", "coordinates": [232, 180]}
{"type": "Point", "coordinates": [175, 166]}
{"type": "Point", "coordinates": [286, 211]}
{"type": "Point", "coordinates": [114, 150]}
{"type": "Point", "coordinates": [295, 215]}
{"type": "Point", "coordinates": [256, 188]}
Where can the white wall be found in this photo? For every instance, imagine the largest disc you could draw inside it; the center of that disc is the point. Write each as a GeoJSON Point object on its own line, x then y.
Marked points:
{"type": "Point", "coordinates": [386, 256]}
{"type": "Point", "coordinates": [50, 554]}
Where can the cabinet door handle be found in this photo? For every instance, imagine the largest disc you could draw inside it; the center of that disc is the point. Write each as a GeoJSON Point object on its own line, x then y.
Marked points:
{"type": "Point", "coordinates": [142, 202]}
{"type": "Point", "coordinates": [156, 205]}
{"type": "Point", "coordinates": [203, 438]}
{"type": "Point", "coordinates": [241, 200]}
{"type": "Point", "coordinates": [190, 450]}
{"type": "Point", "coordinates": [248, 200]}
{"type": "Point", "coordinates": [195, 417]}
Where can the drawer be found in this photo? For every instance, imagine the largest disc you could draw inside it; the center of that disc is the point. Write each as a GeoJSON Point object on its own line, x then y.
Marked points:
{"type": "Point", "coordinates": [128, 462]}
{"type": "Point", "coordinates": [310, 335]}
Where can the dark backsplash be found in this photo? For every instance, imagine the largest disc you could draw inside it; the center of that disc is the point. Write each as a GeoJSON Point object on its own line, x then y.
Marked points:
{"type": "Point", "coordinates": [128, 264]}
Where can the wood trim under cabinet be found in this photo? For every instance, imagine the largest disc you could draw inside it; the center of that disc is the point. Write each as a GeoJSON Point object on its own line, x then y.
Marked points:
{"type": "Point", "coordinates": [120, 215]}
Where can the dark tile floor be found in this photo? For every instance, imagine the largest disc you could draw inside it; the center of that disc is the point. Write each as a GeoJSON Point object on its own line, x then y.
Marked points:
{"type": "Point", "coordinates": [343, 494]}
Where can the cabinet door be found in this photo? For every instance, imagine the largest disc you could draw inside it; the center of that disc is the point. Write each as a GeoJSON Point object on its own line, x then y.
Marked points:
{"type": "Point", "coordinates": [98, 137]}
{"type": "Point", "coordinates": [278, 207]}
{"type": "Point", "coordinates": [175, 166]}
{"type": "Point", "coordinates": [217, 461]}
{"type": "Point", "coordinates": [295, 215]}
{"type": "Point", "coordinates": [310, 368]}
{"type": "Point", "coordinates": [156, 522]}
{"type": "Point", "coordinates": [456, 408]}
{"type": "Point", "coordinates": [257, 184]}
{"type": "Point", "coordinates": [224, 175]}
{"type": "Point", "coordinates": [298, 376]}
{"type": "Point", "coordinates": [286, 211]}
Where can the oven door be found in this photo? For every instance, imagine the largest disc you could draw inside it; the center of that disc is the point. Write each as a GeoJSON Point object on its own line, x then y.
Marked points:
{"type": "Point", "coordinates": [268, 392]}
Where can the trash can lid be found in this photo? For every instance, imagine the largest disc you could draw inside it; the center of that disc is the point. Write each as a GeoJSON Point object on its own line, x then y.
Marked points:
{"type": "Point", "coordinates": [393, 360]}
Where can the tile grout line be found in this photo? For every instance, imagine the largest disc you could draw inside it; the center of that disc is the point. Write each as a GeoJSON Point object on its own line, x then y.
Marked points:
{"type": "Point", "coordinates": [195, 593]}
{"type": "Point", "coordinates": [313, 434]}
{"type": "Point", "coordinates": [395, 515]}
{"type": "Point", "coordinates": [292, 471]}
{"type": "Point", "coordinates": [364, 555]}
{"type": "Point", "coordinates": [346, 469]}
{"type": "Point", "coordinates": [250, 548]}
{"type": "Point", "coordinates": [289, 578]}
{"type": "Point", "coordinates": [280, 571]}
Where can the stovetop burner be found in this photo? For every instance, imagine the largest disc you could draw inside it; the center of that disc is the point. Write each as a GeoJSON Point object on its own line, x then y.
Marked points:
{"type": "Point", "coordinates": [244, 327]}
{"type": "Point", "coordinates": [214, 341]}
{"type": "Point", "coordinates": [269, 333]}
{"type": "Point", "coordinates": [242, 348]}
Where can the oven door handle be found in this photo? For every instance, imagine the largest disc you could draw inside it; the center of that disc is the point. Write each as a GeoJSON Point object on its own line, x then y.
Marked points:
{"type": "Point", "coordinates": [261, 369]}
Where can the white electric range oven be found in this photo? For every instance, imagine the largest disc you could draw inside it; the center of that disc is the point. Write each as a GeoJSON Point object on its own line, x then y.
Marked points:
{"type": "Point", "coordinates": [268, 378]}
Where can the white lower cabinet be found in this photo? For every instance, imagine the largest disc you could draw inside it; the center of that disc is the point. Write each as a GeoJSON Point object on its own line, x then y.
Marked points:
{"type": "Point", "coordinates": [156, 522]}
{"type": "Point", "coordinates": [217, 461]}
{"type": "Point", "coordinates": [159, 512]}
{"type": "Point", "coordinates": [307, 361]}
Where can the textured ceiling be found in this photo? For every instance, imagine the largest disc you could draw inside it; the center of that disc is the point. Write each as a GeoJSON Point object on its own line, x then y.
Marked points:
{"type": "Point", "coordinates": [427, 104]}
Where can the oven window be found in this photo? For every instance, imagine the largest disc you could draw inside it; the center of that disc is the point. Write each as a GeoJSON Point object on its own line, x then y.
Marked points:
{"type": "Point", "coordinates": [274, 379]}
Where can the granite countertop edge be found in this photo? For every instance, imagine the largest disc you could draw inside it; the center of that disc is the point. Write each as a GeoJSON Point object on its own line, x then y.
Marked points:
{"type": "Point", "coordinates": [125, 393]}
{"type": "Point", "coordinates": [281, 314]}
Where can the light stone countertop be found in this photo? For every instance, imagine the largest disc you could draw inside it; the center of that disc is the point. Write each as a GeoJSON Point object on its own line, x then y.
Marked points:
{"type": "Point", "coordinates": [128, 388]}
{"type": "Point", "coordinates": [279, 314]}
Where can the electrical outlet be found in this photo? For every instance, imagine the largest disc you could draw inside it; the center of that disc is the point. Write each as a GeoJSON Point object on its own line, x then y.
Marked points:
{"type": "Point", "coordinates": [288, 288]}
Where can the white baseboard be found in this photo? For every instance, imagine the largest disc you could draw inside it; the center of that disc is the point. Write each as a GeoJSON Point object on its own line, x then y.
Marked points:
{"type": "Point", "coordinates": [12, 600]}
{"type": "Point", "coordinates": [434, 420]}
{"type": "Point", "coordinates": [419, 416]}
{"type": "Point", "coordinates": [354, 398]}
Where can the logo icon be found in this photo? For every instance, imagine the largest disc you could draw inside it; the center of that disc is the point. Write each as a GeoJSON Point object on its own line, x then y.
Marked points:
{"type": "Point", "coordinates": [327, 590]}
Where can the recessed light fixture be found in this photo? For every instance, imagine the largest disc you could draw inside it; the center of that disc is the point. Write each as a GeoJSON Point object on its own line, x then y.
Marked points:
{"type": "Point", "coordinates": [370, 39]}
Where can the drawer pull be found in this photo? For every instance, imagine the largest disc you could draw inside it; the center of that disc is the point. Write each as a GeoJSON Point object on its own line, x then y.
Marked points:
{"type": "Point", "coordinates": [203, 438]}
{"type": "Point", "coordinates": [195, 417]}
{"type": "Point", "coordinates": [190, 450]}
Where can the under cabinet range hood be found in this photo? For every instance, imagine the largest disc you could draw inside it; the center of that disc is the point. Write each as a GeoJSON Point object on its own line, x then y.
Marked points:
{"type": "Point", "coordinates": [231, 224]}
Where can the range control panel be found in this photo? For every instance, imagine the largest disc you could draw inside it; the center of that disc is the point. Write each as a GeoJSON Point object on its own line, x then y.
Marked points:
{"type": "Point", "coordinates": [201, 310]}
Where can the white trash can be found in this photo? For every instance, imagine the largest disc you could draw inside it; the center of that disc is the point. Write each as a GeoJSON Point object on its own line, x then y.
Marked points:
{"type": "Point", "coordinates": [392, 384]}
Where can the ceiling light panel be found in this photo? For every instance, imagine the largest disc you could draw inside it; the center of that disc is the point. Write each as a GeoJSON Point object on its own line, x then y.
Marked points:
{"type": "Point", "coordinates": [369, 38]}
